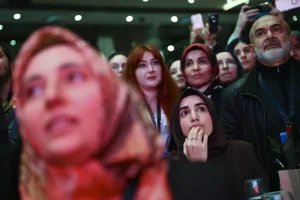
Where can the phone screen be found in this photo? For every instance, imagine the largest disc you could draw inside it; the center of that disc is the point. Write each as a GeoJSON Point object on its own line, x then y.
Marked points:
{"type": "Point", "coordinates": [284, 5]}
{"type": "Point", "coordinates": [197, 21]}
{"type": "Point", "coordinates": [213, 21]}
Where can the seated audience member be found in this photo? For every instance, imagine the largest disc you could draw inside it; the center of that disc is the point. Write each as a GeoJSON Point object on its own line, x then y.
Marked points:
{"type": "Point", "coordinates": [176, 73]}
{"type": "Point", "coordinates": [200, 69]}
{"type": "Point", "coordinates": [262, 108]}
{"type": "Point", "coordinates": [147, 72]}
{"type": "Point", "coordinates": [199, 137]}
{"type": "Point", "coordinates": [230, 68]}
{"type": "Point", "coordinates": [241, 49]}
{"type": "Point", "coordinates": [296, 45]}
{"type": "Point", "coordinates": [86, 135]}
{"type": "Point", "coordinates": [118, 62]}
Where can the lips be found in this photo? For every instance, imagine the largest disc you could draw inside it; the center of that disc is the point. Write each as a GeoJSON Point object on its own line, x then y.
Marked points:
{"type": "Point", "coordinates": [180, 80]}
{"type": "Point", "coordinates": [197, 76]}
{"type": "Point", "coordinates": [60, 124]}
{"type": "Point", "coordinates": [151, 78]}
{"type": "Point", "coordinates": [226, 74]}
{"type": "Point", "coordinates": [271, 44]}
{"type": "Point", "coordinates": [197, 125]}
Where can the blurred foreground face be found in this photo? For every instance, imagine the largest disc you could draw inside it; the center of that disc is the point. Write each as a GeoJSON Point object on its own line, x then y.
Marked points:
{"type": "Point", "coordinates": [177, 74]}
{"type": "Point", "coordinates": [60, 99]}
{"type": "Point", "coordinates": [245, 55]}
{"type": "Point", "coordinates": [118, 63]}
{"type": "Point", "coordinates": [4, 64]}
{"type": "Point", "coordinates": [228, 68]}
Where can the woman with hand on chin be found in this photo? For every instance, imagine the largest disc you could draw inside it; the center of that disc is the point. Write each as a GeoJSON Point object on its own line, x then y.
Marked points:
{"type": "Point", "coordinates": [199, 137]}
{"type": "Point", "coordinates": [148, 74]}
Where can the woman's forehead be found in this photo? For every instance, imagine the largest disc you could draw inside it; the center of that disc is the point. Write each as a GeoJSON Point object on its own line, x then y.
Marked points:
{"type": "Point", "coordinates": [191, 100]}
{"type": "Point", "coordinates": [53, 57]}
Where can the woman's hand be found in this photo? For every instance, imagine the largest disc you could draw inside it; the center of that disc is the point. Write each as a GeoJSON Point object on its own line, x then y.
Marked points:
{"type": "Point", "coordinates": [195, 146]}
{"type": "Point", "coordinates": [244, 18]}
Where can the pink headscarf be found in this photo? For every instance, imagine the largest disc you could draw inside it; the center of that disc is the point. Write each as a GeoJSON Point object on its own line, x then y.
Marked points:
{"type": "Point", "coordinates": [130, 145]}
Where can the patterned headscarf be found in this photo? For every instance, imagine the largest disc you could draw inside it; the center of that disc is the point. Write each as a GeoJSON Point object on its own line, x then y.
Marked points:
{"type": "Point", "coordinates": [130, 145]}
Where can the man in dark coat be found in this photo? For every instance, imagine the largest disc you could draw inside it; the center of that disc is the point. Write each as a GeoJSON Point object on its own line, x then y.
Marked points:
{"type": "Point", "coordinates": [263, 108]}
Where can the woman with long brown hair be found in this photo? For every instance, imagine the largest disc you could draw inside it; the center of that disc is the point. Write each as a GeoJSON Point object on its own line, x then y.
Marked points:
{"type": "Point", "coordinates": [147, 72]}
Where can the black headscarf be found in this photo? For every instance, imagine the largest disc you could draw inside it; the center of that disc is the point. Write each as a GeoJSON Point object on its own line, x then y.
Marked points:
{"type": "Point", "coordinates": [217, 142]}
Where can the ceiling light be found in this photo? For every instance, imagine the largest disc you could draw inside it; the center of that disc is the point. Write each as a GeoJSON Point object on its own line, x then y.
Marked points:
{"type": "Point", "coordinates": [1, 27]}
{"type": "Point", "coordinates": [78, 17]}
{"type": "Point", "coordinates": [191, 1]}
{"type": "Point", "coordinates": [295, 18]}
{"type": "Point", "coordinates": [145, 0]}
{"type": "Point", "coordinates": [17, 16]}
{"type": "Point", "coordinates": [129, 18]}
{"type": "Point", "coordinates": [174, 19]}
{"type": "Point", "coordinates": [171, 48]}
{"type": "Point", "coordinates": [230, 4]}
{"type": "Point", "coordinates": [13, 42]}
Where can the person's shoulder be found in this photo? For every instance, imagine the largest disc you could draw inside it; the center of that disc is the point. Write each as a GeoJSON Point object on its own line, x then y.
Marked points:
{"type": "Point", "coordinates": [244, 148]}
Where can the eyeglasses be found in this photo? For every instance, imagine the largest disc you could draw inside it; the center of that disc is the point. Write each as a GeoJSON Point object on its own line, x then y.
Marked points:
{"type": "Point", "coordinates": [229, 63]}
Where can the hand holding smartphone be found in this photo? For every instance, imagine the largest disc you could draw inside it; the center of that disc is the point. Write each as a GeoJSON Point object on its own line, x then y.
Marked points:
{"type": "Point", "coordinates": [197, 21]}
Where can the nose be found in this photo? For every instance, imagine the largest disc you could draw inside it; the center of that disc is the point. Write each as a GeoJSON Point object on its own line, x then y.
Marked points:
{"type": "Point", "coordinates": [292, 53]}
{"type": "Point", "coordinates": [179, 74]}
{"type": "Point", "coordinates": [196, 67]}
{"type": "Point", "coordinates": [269, 34]}
{"type": "Point", "coordinates": [224, 66]}
{"type": "Point", "coordinates": [120, 69]}
{"type": "Point", "coordinates": [194, 116]}
{"type": "Point", "coordinates": [150, 68]}
{"type": "Point", "coordinates": [243, 55]}
{"type": "Point", "coordinates": [53, 94]}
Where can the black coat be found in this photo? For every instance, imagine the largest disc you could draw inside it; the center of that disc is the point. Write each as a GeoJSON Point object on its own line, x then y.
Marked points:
{"type": "Point", "coordinates": [5, 159]}
{"type": "Point", "coordinates": [243, 114]}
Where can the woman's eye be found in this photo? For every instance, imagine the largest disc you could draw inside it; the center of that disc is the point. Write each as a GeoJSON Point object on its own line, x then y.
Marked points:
{"type": "Point", "coordinates": [75, 76]}
{"type": "Point", "coordinates": [34, 91]}
{"type": "Point", "coordinates": [202, 109]}
{"type": "Point", "coordinates": [188, 64]}
{"type": "Point", "coordinates": [202, 61]}
{"type": "Point", "coordinates": [115, 66]}
{"type": "Point", "coordinates": [184, 113]}
{"type": "Point", "coordinates": [237, 53]}
{"type": "Point", "coordinates": [155, 63]}
{"type": "Point", "coordinates": [142, 65]}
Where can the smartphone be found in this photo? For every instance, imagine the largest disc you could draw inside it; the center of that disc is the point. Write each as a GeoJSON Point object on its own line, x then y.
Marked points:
{"type": "Point", "coordinates": [197, 21]}
{"type": "Point", "coordinates": [284, 5]}
{"type": "Point", "coordinates": [263, 9]}
{"type": "Point", "coordinates": [213, 21]}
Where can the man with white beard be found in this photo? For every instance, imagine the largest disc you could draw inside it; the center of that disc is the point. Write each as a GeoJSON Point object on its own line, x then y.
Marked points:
{"type": "Point", "coordinates": [263, 108]}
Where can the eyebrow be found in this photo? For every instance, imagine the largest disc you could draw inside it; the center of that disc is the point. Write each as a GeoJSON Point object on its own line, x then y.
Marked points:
{"type": "Point", "coordinates": [272, 26]}
{"type": "Point", "coordinates": [150, 60]}
{"type": "Point", "coordinates": [197, 104]}
{"type": "Point", "coordinates": [62, 67]}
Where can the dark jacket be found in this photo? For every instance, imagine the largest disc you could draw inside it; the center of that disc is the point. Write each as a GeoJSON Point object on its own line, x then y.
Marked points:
{"type": "Point", "coordinates": [243, 113]}
{"type": "Point", "coordinates": [239, 156]}
{"type": "Point", "coordinates": [5, 159]}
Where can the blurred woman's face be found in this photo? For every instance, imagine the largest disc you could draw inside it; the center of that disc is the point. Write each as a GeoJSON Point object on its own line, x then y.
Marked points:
{"type": "Point", "coordinates": [149, 72]}
{"type": "Point", "coordinates": [177, 74]}
{"type": "Point", "coordinates": [194, 113]}
{"type": "Point", "coordinates": [197, 69]}
{"type": "Point", "coordinates": [60, 105]}
{"type": "Point", "coordinates": [245, 56]}
{"type": "Point", "coordinates": [118, 63]}
{"type": "Point", "coordinates": [228, 68]}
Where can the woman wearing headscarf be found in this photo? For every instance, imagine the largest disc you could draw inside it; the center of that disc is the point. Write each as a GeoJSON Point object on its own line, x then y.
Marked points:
{"type": "Point", "coordinates": [200, 69]}
{"type": "Point", "coordinates": [86, 134]}
{"type": "Point", "coordinates": [230, 68]}
{"type": "Point", "coordinates": [147, 72]}
{"type": "Point", "coordinates": [199, 137]}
